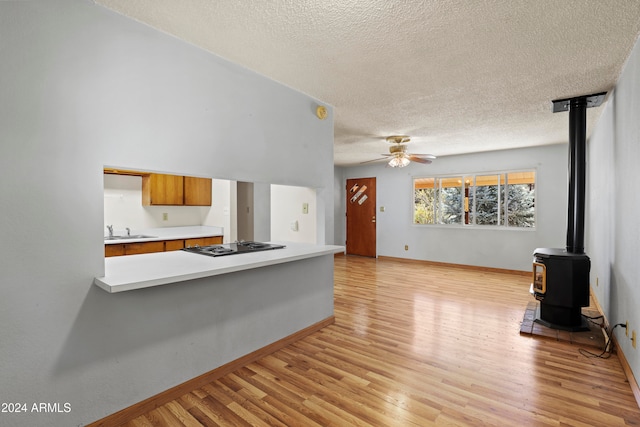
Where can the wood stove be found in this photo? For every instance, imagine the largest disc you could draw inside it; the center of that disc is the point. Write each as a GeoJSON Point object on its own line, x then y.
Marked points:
{"type": "Point", "coordinates": [561, 284]}
{"type": "Point", "coordinates": [561, 276]}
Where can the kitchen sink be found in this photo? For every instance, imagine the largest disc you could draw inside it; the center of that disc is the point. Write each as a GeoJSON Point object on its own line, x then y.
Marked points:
{"type": "Point", "coordinates": [132, 236]}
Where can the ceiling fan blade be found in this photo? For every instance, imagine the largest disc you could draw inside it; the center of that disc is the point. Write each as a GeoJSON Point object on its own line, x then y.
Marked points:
{"type": "Point", "coordinates": [417, 159]}
{"type": "Point", "coordinates": [424, 156]}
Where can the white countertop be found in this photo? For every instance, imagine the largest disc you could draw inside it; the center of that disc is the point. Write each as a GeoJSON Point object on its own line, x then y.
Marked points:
{"type": "Point", "coordinates": [167, 233]}
{"type": "Point", "coordinates": [130, 272]}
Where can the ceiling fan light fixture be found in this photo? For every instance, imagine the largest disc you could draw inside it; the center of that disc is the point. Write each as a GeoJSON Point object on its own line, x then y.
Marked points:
{"type": "Point", "coordinates": [398, 156]}
{"type": "Point", "coordinates": [399, 162]}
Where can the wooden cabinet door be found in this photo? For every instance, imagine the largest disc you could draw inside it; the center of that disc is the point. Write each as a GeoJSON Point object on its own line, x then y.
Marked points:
{"type": "Point", "coordinates": [113, 250]}
{"type": "Point", "coordinates": [173, 245]}
{"type": "Point", "coordinates": [143, 248]}
{"type": "Point", "coordinates": [161, 189]}
{"type": "Point", "coordinates": [197, 191]}
{"type": "Point", "coordinates": [203, 241]}
{"type": "Point", "coordinates": [214, 240]}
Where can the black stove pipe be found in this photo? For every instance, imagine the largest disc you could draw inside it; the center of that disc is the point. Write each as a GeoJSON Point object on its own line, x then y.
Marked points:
{"type": "Point", "coordinates": [577, 108]}
{"type": "Point", "coordinates": [577, 174]}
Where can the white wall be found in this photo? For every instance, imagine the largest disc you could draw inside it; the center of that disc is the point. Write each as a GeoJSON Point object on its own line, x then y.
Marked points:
{"type": "Point", "coordinates": [219, 214]}
{"type": "Point", "coordinates": [503, 248]}
{"type": "Point", "coordinates": [82, 88]}
{"type": "Point", "coordinates": [612, 237]}
{"type": "Point", "coordinates": [286, 208]}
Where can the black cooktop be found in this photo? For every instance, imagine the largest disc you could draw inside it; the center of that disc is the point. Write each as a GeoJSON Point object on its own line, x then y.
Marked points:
{"type": "Point", "coordinates": [241, 247]}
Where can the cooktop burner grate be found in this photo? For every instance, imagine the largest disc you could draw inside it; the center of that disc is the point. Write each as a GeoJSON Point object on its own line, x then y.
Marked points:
{"type": "Point", "coordinates": [241, 247]}
{"type": "Point", "coordinates": [217, 249]}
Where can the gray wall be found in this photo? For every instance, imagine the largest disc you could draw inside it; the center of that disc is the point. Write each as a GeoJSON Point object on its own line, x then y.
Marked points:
{"type": "Point", "coordinates": [80, 88]}
{"type": "Point", "coordinates": [613, 203]}
{"type": "Point", "coordinates": [487, 247]}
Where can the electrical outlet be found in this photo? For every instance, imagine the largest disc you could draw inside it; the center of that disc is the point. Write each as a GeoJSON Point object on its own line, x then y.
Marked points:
{"type": "Point", "coordinates": [165, 216]}
{"type": "Point", "coordinates": [626, 329]}
{"type": "Point", "coordinates": [633, 338]}
{"type": "Point", "coordinates": [406, 247]}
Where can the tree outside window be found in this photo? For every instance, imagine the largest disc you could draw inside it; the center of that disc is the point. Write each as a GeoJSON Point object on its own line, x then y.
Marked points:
{"type": "Point", "coordinates": [520, 202]}
{"type": "Point", "coordinates": [489, 199]}
{"type": "Point", "coordinates": [424, 196]}
{"type": "Point", "coordinates": [450, 199]}
{"type": "Point", "coordinates": [503, 199]}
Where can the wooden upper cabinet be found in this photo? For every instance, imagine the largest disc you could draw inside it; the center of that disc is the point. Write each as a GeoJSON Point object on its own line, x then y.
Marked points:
{"type": "Point", "coordinates": [197, 191]}
{"type": "Point", "coordinates": [170, 190]}
{"type": "Point", "coordinates": [161, 189]}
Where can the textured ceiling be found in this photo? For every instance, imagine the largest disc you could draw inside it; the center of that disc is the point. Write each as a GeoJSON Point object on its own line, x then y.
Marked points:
{"type": "Point", "coordinates": [458, 76]}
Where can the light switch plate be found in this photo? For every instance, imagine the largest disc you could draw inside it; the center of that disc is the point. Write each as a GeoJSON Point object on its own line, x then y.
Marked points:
{"type": "Point", "coordinates": [305, 208]}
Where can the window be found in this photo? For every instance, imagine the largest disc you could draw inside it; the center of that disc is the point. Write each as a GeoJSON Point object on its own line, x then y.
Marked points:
{"type": "Point", "coordinates": [521, 200]}
{"type": "Point", "coordinates": [488, 195]}
{"type": "Point", "coordinates": [498, 199]}
{"type": "Point", "coordinates": [450, 200]}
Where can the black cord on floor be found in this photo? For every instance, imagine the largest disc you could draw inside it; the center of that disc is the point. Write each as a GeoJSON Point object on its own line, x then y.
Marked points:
{"type": "Point", "coordinates": [607, 345]}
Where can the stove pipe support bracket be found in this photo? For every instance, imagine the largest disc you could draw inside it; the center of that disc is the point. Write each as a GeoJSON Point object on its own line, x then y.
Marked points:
{"type": "Point", "coordinates": [577, 108]}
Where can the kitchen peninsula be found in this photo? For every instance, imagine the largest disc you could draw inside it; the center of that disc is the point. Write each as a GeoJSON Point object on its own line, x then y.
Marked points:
{"type": "Point", "coordinates": [155, 269]}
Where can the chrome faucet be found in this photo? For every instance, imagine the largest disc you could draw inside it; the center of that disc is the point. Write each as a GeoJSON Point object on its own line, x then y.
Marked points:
{"type": "Point", "coordinates": [128, 231]}
{"type": "Point", "coordinates": [110, 228]}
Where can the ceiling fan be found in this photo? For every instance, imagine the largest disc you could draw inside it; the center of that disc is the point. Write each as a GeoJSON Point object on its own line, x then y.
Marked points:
{"type": "Point", "coordinates": [398, 156]}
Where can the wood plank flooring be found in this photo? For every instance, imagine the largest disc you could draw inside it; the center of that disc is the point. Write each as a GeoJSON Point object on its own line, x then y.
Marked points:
{"type": "Point", "coordinates": [415, 344]}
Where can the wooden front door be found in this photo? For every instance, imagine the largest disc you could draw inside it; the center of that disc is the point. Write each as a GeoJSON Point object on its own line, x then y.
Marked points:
{"type": "Point", "coordinates": [361, 217]}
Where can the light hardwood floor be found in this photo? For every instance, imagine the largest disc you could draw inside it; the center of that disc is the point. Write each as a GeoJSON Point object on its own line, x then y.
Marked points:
{"type": "Point", "coordinates": [415, 344]}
